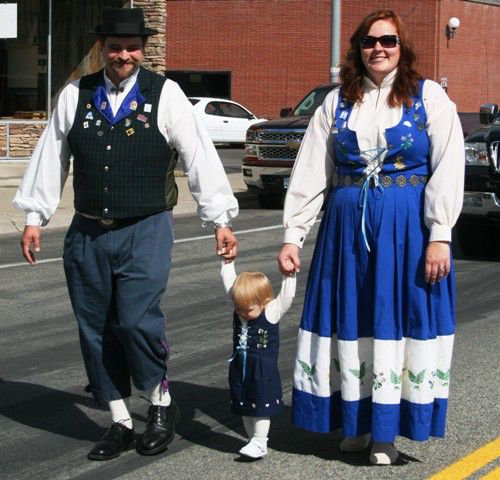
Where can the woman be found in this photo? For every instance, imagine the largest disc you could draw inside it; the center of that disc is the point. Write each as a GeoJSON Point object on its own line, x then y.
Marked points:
{"type": "Point", "coordinates": [376, 336]}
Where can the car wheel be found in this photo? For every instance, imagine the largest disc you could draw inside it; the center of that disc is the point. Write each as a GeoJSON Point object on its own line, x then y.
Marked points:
{"type": "Point", "coordinates": [271, 200]}
{"type": "Point", "coordinates": [478, 240]}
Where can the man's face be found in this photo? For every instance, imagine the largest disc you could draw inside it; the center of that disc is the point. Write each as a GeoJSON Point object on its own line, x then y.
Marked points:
{"type": "Point", "coordinates": [122, 56]}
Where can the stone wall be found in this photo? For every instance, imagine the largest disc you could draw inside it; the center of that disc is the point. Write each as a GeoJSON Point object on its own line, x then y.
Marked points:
{"type": "Point", "coordinates": [155, 12]}
{"type": "Point", "coordinates": [22, 138]}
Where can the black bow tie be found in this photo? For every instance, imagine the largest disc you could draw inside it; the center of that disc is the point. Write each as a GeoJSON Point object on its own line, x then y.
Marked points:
{"type": "Point", "coordinates": [116, 90]}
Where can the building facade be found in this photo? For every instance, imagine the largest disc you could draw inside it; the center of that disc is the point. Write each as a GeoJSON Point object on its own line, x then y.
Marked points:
{"type": "Point", "coordinates": [274, 51]}
{"type": "Point", "coordinates": [265, 54]}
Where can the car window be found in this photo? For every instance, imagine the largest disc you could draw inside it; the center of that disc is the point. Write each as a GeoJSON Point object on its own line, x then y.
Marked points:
{"type": "Point", "coordinates": [310, 103]}
{"type": "Point", "coordinates": [194, 101]}
{"type": "Point", "coordinates": [211, 109]}
{"type": "Point", "coordinates": [232, 110]}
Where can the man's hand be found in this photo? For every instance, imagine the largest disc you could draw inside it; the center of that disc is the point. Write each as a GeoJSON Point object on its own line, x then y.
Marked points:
{"type": "Point", "coordinates": [288, 259]}
{"type": "Point", "coordinates": [227, 245]}
{"type": "Point", "coordinates": [437, 262]}
{"type": "Point", "coordinates": [30, 242]}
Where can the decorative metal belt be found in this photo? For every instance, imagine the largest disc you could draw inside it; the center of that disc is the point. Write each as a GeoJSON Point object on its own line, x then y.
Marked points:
{"type": "Point", "coordinates": [384, 180]}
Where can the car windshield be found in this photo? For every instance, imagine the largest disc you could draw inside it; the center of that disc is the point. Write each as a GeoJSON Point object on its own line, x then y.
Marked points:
{"type": "Point", "coordinates": [310, 103]}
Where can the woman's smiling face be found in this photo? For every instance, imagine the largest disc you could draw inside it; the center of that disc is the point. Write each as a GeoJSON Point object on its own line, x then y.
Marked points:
{"type": "Point", "coordinates": [380, 61]}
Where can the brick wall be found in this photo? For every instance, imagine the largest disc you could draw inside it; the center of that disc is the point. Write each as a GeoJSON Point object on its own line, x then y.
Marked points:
{"type": "Point", "coordinates": [22, 137]}
{"type": "Point", "coordinates": [276, 50]}
{"type": "Point", "coordinates": [154, 12]}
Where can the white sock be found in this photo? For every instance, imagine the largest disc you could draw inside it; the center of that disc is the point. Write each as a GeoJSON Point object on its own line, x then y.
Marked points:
{"type": "Point", "coordinates": [120, 413]}
{"type": "Point", "coordinates": [248, 423]}
{"type": "Point", "coordinates": [158, 397]}
{"type": "Point", "coordinates": [383, 454]}
{"type": "Point", "coordinates": [261, 428]}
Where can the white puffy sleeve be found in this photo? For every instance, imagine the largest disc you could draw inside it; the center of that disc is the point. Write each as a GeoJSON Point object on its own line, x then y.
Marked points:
{"type": "Point", "coordinates": [444, 191]}
{"type": "Point", "coordinates": [281, 304]}
{"type": "Point", "coordinates": [312, 174]}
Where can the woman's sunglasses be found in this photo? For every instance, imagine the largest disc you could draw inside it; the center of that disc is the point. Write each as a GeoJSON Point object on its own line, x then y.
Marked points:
{"type": "Point", "coordinates": [386, 41]}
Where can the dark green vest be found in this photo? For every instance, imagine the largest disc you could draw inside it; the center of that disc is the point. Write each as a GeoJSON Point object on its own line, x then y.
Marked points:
{"type": "Point", "coordinates": [125, 169]}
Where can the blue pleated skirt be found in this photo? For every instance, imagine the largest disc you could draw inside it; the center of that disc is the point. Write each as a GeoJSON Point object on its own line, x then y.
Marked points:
{"type": "Point", "coordinates": [375, 340]}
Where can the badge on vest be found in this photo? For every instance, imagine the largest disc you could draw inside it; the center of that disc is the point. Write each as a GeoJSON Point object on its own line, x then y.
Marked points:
{"type": "Point", "coordinates": [104, 105]}
{"type": "Point", "coordinates": [85, 124]}
{"type": "Point", "coordinates": [142, 118]}
{"type": "Point", "coordinates": [146, 125]}
{"type": "Point", "coordinates": [88, 105]}
{"type": "Point", "coordinates": [128, 122]}
{"type": "Point", "coordinates": [130, 131]}
{"type": "Point", "coordinates": [133, 105]}
{"type": "Point", "coordinates": [89, 116]}
{"type": "Point", "coordinates": [98, 123]}
{"type": "Point", "coordinates": [100, 133]}
{"type": "Point", "coordinates": [147, 107]}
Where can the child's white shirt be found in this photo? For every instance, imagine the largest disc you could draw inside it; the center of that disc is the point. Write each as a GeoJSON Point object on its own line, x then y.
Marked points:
{"type": "Point", "coordinates": [277, 307]}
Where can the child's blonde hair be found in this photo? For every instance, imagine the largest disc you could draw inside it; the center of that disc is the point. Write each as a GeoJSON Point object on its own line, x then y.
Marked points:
{"type": "Point", "coordinates": [251, 288]}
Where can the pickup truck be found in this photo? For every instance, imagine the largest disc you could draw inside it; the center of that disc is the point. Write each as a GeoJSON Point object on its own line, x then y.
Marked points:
{"type": "Point", "coordinates": [271, 148]}
{"type": "Point", "coordinates": [478, 228]}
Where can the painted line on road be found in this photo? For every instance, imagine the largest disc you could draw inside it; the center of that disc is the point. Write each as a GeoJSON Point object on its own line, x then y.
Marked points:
{"type": "Point", "coordinates": [493, 475]}
{"type": "Point", "coordinates": [182, 240]}
{"type": "Point", "coordinates": [471, 463]}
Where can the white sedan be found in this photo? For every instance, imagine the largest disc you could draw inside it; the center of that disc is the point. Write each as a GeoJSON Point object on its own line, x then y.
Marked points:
{"type": "Point", "coordinates": [226, 121]}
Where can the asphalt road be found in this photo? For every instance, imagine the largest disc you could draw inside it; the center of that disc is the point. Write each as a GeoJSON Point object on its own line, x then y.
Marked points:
{"type": "Point", "coordinates": [48, 423]}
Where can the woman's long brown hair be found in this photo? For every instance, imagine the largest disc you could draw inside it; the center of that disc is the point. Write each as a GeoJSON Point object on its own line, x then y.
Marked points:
{"type": "Point", "coordinates": [352, 71]}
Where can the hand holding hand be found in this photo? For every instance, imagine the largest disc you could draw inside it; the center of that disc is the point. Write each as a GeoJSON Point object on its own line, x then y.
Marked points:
{"type": "Point", "coordinates": [288, 259]}
{"type": "Point", "coordinates": [227, 244]}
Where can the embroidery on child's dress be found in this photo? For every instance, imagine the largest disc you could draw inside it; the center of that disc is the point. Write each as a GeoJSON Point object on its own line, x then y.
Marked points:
{"type": "Point", "coordinates": [263, 338]}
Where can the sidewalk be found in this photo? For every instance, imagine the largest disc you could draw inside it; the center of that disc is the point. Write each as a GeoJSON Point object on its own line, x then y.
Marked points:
{"type": "Point", "coordinates": [12, 221]}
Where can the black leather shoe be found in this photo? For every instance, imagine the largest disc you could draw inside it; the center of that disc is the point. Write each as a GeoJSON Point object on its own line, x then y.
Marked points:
{"type": "Point", "coordinates": [117, 439]}
{"type": "Point", "coordinates": [160, 429]}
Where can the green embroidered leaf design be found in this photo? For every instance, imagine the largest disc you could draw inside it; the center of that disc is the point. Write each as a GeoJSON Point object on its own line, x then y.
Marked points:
{"type": "Point", "coordinates": [308, 370]}
{"type": "Point", "coordinates": [359, 373]}
{"type": "Point", "coordinates": [337, 364]}
{"type": "Point", "coordinates": [421, 376]}
{"type": "Point", "coordinates": [416, 379]}
{"type": "Point", "coordinates": [443, 375]}
{"type": "Point", "coordinates": [395, 378]}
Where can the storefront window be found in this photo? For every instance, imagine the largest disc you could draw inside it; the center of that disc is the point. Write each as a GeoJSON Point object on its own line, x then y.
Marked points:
{"type": "Point", "coordinates": [23, 63]}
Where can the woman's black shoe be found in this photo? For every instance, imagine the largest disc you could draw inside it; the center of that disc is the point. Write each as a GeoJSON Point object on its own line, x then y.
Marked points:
{"type": "Point", "coordinates": [160, 429]}
{"type": "Point", "coordinates": [117, 439]}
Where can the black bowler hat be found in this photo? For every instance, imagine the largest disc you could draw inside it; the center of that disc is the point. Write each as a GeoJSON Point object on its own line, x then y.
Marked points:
{"type": "Point", "coordinates": [123, 22]}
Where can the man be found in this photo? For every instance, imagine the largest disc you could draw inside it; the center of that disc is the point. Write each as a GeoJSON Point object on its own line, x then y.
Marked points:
{"type": "Point", "coordinates": [122, 126]}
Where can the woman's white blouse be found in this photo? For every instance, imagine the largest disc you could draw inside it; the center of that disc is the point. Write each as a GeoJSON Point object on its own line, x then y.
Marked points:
{"type": "Point", "coordinates": [314, 168]}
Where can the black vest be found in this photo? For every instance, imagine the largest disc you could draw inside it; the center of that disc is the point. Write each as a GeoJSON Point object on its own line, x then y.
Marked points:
{"type": "Point", "coordinates": [126, 169]}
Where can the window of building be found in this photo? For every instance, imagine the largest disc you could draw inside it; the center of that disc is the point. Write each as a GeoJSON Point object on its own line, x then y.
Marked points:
{"type": "Point", "coordinates": [202, 84]}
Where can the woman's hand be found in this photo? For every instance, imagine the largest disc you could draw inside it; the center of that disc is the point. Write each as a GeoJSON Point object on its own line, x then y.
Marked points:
{"type": "Point", "coordinates": [437, 261]}
{"type": "Point", "coordinates": [288, 259]}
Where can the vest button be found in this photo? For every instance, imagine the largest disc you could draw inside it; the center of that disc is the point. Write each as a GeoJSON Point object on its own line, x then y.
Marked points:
{"type": "Point", "coordinates": [108, 147]}
{"type": "Point", "coordinates": [106, 211]}
{"type": "Point", "coordinates": [106, 168]}
{"type": "Point", "coordinates": [106, 189]}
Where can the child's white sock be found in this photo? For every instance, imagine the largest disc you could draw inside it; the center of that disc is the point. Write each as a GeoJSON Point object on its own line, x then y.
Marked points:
{"type": "Point", "coordinates": [120, 413]}
{"type": "Point", "coordinates": [257, 446]}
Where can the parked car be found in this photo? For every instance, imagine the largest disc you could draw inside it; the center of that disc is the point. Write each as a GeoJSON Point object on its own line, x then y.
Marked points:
{"type": "Point", "coordinates": [478, 228]}
{"type": "Point", "coordinates": [226, 121]}
{"type": "Point", "coordinates": [271, 148]}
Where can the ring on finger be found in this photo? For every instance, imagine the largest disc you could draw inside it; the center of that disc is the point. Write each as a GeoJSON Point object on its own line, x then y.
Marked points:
{"type": "Point", "coordinates": [442, 268]}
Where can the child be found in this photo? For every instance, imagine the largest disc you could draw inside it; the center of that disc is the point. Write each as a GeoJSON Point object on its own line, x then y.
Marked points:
{"type": "Point", "coordinates": [254, 377]}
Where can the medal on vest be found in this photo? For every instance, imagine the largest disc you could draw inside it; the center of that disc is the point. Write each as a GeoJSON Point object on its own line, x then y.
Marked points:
{"type": "Point", "coordinates": [142, 118]}
{"type": "Point", "coordinates": [128, 122]}
{"type": "Point", "coordinates": [130, 131]}
{"type": "Point", "coordinates": [98, 123]}
{"type": "Point", "coordinates": [147, 107]}
{"type": "Point", "coordinates": [89, 116]}
{"type": "Point", "coordinates": [133, 105]}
